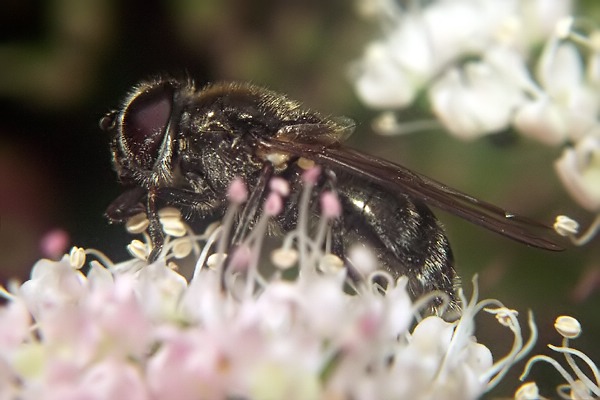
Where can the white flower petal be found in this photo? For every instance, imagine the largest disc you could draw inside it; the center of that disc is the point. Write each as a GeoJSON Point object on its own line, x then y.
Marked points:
{"type": "Point", "coordinates": [560, 68]}
{"type": "Point", "coordinates": [380, 82]}
{"type": "Point", "coordinates": [541, 16]}
{"type": "Point", "coordinates": [432, 336]}
{"type": "Point", "coordinates": [511, 66]}
{"type": "Point", "coordinates": [579, 170]}
{"type": "Point", "coordinates": [543, 121]}
{"type": "Point", "coordinates": [99, 277]}
{"type": "Point", "coordinates": [410, 47]}
{"type": "Point", "coordinates": [583, 105]}
{"type": "Point", "coordinates": [475, 101]}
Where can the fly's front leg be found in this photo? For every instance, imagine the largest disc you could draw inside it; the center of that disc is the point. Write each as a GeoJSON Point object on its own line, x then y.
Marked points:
{"type": "Point", "coordinates": [190, 202]}
{"type": "Point", "coordinates": [131, 203]}
{"type": "Point", "coordinates": [154, 229]}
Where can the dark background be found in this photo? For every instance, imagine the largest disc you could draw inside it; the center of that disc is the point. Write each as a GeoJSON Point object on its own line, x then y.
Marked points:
{"type": "Point", "coordinates": [63, 64]}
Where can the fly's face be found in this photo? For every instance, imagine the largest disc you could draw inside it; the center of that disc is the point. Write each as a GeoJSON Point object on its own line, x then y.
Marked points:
{"type": "Point", "coordinates": [144, 132]}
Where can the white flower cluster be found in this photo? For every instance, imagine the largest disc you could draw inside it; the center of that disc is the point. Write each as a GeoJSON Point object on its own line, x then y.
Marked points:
{"type": "Point", "coordinates": [138, 331]}
{"type": "Point", "coordinates": [478, 62]}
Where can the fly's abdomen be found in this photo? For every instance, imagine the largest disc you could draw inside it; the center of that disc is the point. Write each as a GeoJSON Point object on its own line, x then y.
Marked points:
{"type": "Point", "coordinates": [404, 234]}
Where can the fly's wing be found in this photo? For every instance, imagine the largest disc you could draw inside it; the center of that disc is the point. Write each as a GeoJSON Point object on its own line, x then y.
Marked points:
{"type": "Point", "coordinates": [326, 133]}
{"type": "Point", "coordinates": [403, 181]}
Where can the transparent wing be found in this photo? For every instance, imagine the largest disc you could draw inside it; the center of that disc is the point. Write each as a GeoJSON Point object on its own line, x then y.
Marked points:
{"type": "Point", "coordinates": [336, 130]}
{"type": "Point", "coordinates": [399, 179]}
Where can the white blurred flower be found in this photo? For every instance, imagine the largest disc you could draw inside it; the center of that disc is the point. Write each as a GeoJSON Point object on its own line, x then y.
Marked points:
{"type": "Point", "coordinates": [423, 40]}
{"type": "Point", "coordinates": [420, 43]}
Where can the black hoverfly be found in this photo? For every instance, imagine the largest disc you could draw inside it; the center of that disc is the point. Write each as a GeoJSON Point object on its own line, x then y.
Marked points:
{"type": "Point", "coordinates": [173, 144]}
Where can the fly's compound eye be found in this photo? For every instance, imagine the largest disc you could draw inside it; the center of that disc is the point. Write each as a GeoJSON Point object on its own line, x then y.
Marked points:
{"type": "Point", "coordinates": [145, 123]}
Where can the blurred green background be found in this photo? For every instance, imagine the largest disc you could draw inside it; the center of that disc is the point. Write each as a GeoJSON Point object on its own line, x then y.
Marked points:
{"type": "Point", "coordinates": [64, 63]}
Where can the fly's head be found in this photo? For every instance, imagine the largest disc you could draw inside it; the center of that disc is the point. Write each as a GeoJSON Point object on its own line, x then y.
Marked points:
{"type": "Point", "coordinates": [144, 132]}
